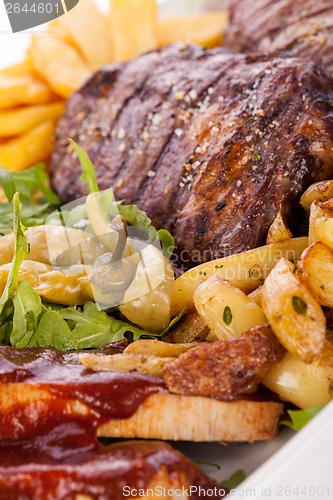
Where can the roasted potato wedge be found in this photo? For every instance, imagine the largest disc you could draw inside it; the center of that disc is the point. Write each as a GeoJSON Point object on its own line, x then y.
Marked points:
{"type": "Point", "coordinates": [320, 191]}
{"type": "Point", "coordinates": [20, 120]}
{"type": "Point", "coordinates": [303, 384]}
{"type": "Point", "coordinates": [29, 148]}
{"type": "Point", "coordinates": [256, 295]}
{"type": "Point", "coordinates": [246, 270]}
{"type": "Point", "coordinates": [86, 28]}
{"type": "Point", "coordinates": [190, 328]}
{"type": "Point", "coordinates": [315, 269]}
{"type": "Point", "coordinates": [278, 230]}
{"type": "Point", "coordinates": [58, 63]}
{"type": "Point", "coordinates": [295, 316]}
{"type": "Point", "coordinates": [149, 365]}
{"type": "Point", "coordinates": [227, 310]}
{"type": "Point", "coordinates": [151, 347]}
{"type": "Point", "coordinates": [319, 225]}
{"type": "Point", "coordinates": [134, 27]}
{"type": "Point", "coordinates": [19, 69]}
{"type": "Point", "coordinates": [23, 89]}
{"type": "Point", "coordinates": [205, 29]}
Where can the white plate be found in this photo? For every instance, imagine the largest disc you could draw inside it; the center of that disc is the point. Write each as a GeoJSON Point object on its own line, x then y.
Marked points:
{"type": "Point", "coordinates": [301, 468]}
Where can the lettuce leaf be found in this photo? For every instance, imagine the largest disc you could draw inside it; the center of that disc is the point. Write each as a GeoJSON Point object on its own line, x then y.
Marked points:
{"type": "Point", "coordinates": [38, 199]}
{"type": "Point", "coordinates": [28, 309]}
{"type": "Point", "coordinates": [299, 418]}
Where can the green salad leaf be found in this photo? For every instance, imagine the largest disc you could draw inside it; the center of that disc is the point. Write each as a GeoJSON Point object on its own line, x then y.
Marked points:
{"type": "Point", "coordinates": [27, 312]}
{"type": "Point", "coordinates": [38, 199]}
{"type": "Point", "coordinates": [234, 480]}
{"type": "Point", "coordinates": [299, 418]}
{"type": "Point", "coordinates": [88, 169]}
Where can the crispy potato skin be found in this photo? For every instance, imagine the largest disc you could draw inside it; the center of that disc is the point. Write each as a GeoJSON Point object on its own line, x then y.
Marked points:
{"type": "Point", "coordinates": [225, 369]}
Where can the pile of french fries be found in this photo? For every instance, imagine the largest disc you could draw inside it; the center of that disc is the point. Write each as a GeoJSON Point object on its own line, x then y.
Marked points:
{"type": "Point", "coordinates": [288, 284]}
{"type": "Point", "coordinates": [33, 93]}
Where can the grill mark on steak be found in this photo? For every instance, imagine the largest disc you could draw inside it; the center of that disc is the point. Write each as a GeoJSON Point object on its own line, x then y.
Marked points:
{"type": "Point", "coordinates": [257, 132]}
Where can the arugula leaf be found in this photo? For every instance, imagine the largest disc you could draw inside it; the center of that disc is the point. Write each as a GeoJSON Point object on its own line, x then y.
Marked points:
{"type": "Point", "coordinates": [27, 311]}
{"type": "Point", "coordinates": [88, 169]}
{"type": "Point", "coordinates": [38, 199]}
{"type": "Point", "coordinates": [167, 242]}
{"type": "Point", "coordinates": [234, 480]}
{"type": "Point", "coordinates": [299, 418]}
{"type": "Point", "coordinates": [21, 252]}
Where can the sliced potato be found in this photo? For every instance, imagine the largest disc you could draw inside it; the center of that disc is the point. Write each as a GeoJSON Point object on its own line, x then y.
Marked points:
{"type": "Point", "coordinates": [149, 365]}
{"type": "Point", "coordinates": [278, 230]}
{"type": "Point", "coordinates": [29, 148]}
{"type": "Point", "coordinates": [303, 384]}
{"type": "Point", "coordinates": [315, 269]}
{"type": "Point", "coordinates": [320, 191]}
{"type": "Point", "coordinates": [246, 270]}
{"type": "Point", "coordinates": [134, 27]}
{"type": "Point", "coordinates": [150, 347]}
{"type": "Point", "coordinates": [205, 29]}
{"type": "Point", "coordinates": [60, 64]}
{"type": "Point", "coordinates": [318, 227]}
{"type": "Point", "coordinates": [295, 316]}
{"type": "Point", "coordinates": [89, 31]}
{"type": "Point", "coordinates": [190, 328]}
{"type": "Point", "coordinates": [227, 310]}
{"type": "Point", "coordinates": [323, 228]}
{"type": "Point", "coordinates": [20, 120]}
{"type": "Point", "coordinates": [256, 295]}
{"type": "Point", "coordinates": [19, 69]}
{"type": "Point", "coordinates": [23, 89]}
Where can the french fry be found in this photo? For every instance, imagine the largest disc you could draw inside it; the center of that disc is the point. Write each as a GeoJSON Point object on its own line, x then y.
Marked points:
{"type": "Point", "coordinates": [315, 269]}
{"type": "Point", "coordinates": [150, 347]}
{"type": "Point", "coordinates": [246, 270]}
{"type": "Point", "coordinates": [20, 120]}
{"type": "Point", "coordinates": [296, 318]}
{"type": "Point", "coordinates": [303, 384]}
{"type": "Point", "coordinates": [23, 89]}
{"type": "Point", "coordinates": [58, 63]}
{"type": "Point", "coordinates": [134, 27]}
{"type": "Point", "coordinates": [20, 69]}
{"type": "Point", "coordinates": [278, 230]}
{"type": "Point", "coordinates": [227, 310]}
{"type": "Point", "coordinates": [89, 31]}
{"type": "Point", "coordinates": [28, 149]}
{"type": "Point", "coordinates": [320, 191]}
{"type": "Point", "coordinates": [205, 29]}
{"type": "Point", "coordinates": [149, 365]}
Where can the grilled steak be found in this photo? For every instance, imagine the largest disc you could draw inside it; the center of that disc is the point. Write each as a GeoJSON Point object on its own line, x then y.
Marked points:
{"type": "Point", "coordinates": [301, 27]}
{"type": "Point", "coordinates": [211, 144]}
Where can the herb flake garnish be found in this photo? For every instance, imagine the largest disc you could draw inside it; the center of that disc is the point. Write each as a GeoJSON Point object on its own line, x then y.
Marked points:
{"type": "Point", "coordinates": [227, 315]}
{"type": "Point", "coordinates": [299, 305]}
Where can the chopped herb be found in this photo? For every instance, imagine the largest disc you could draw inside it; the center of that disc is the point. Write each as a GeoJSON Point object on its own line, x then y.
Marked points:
{"type": "Point", "coordinates": [299, 418]}
{"type": "Point", "coordinates": [256, 156]}
{"type": "Point", "coordinates": [234, 480]}
{"type": "Point", "coordinates": [227, 315]}
{"type": "Point", "coordinates": [220, 205]}
{"type": "Point", "coordinates": [299, 305]}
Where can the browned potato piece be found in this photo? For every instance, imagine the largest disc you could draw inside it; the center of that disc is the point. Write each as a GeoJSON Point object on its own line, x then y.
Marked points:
{"type": "Point", "coordinates": [278, 230]}
{"type": "Point", "coordinates": [295, 316]}
{"type": "Point", "coordinates": [29, 148]}
{"type": "Point", "coordinates": [320, 191]}
{"type": "Point", "coordinates": [190, 328]}
{"type": "Point", "coordinates": [205, 29]}
{"type": "Point", "coordinates": [151, 347]}
{"type": "Point", "coordinates": [19, 69]}
{"type": "Point", "coordinates": [322, 223]}
{"type": "Point", "coordinates": [134, 27]}
{"type": "Point", "coordinates": [315, 269]}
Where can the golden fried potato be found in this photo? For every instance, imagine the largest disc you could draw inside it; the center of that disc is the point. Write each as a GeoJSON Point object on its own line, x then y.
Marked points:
{"type": "Point", "coordinates": [190, 328]}
{"type": "Point", "coordinates": [320, 191]}
{"type": "Point", "coordinates": [19, 69]}
{"type": "Point", "coordinates": [205, 29]}
{"type": "Point", "coordinates": [323, 227]}
{"type": "Point", "coordinates": [303, 384]}
{"type": "Point", "coordinates": [60, 64]}
{"type": "Point", "coordinates": [23, 89]}
{"type": "Point", "coordinates": [29, 148]}
{"type": "Point", "coordinates": [134, 27]}
{"type": "Point", "coordinates": [86, 28]}
{"type": "Point", "coordinates": [315, 269]}
{"type": "Point", "coordinates": [151, 347]}
{"type": "Point", "coordinates": [227, 310]}
{"type": "Point", "coordinates": [246, 270]}
{"type": "Point", "coordinates": [295, 316]}
{"type": "Point", "coordinates": [20, 120]}
{"type": "Point", "coordinates": [278, 230]}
